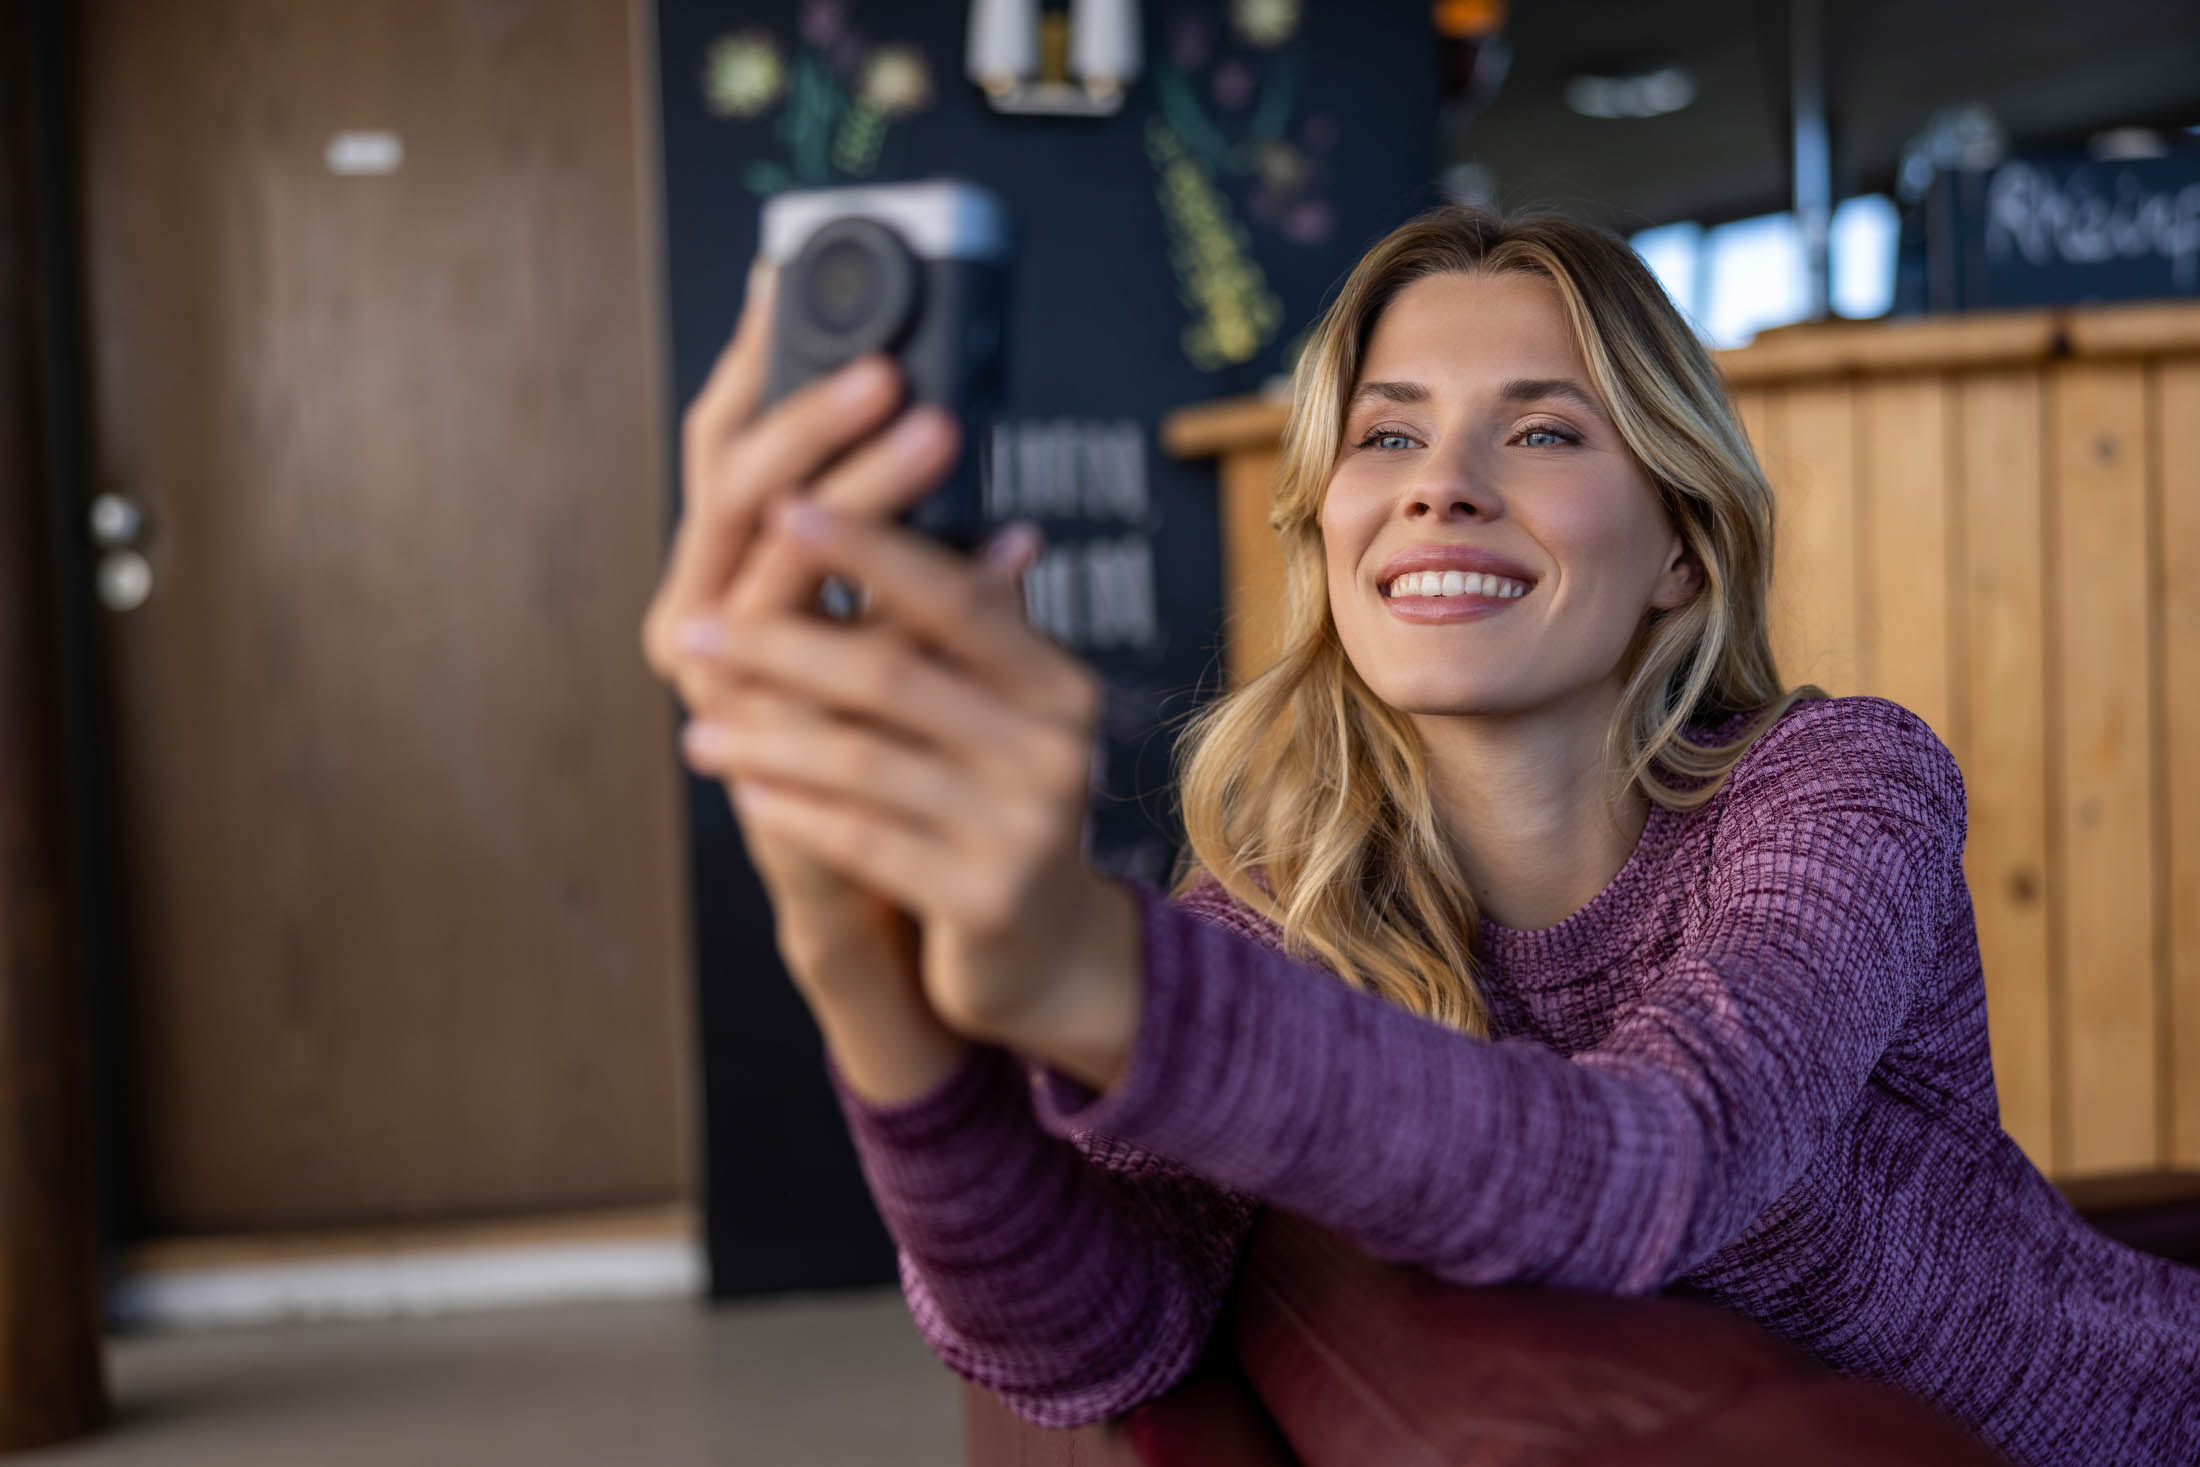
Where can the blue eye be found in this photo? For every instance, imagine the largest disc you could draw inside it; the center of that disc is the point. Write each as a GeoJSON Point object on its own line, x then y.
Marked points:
{"type": "Point", "coordinates": [1557, 435]}
{"type": "Point", "coordinates": [1378, 436]}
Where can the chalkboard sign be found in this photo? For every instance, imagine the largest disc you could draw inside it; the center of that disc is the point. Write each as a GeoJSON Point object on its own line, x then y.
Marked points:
{"type": "Point", "coordinates": [1167, 254]}
{"type": "Point", "coordinates": [2062, 229]}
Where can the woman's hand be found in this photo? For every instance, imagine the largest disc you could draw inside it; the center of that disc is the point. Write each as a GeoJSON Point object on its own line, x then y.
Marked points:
{"type": "Point", "coordinates": [939, 752]}
{"type": "Point", "coordinates": [820, 444]}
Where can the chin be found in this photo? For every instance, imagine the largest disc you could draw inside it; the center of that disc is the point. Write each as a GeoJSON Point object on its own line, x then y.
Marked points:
{"type": "Point", "coordinates": [1439, 693]}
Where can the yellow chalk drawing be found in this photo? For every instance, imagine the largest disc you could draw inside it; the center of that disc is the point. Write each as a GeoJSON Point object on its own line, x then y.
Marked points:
{"type": "Point", "coordinates": [1234, 313]}
{"type": "Point", "coordinates": [743, 74]}
{"type": "Point", "coordinates": [896, 81]}
{"type": "Point", "coordinates": [856, 145]}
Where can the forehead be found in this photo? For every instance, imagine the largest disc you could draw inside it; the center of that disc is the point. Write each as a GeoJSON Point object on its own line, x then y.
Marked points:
{"type": "Point", "coordinates": [1473, 328]}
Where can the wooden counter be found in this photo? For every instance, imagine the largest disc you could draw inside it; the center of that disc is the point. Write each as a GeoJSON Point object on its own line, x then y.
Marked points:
{"type": "Point", "coordinates": [1993, 520]}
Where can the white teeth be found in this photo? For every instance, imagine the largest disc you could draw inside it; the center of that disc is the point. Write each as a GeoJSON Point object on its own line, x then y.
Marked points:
{"type": "Point", "coordinates": [1455, 583]}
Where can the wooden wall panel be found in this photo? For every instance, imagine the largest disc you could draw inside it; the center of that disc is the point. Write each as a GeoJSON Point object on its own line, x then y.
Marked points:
{"type": "Point", "coordinates": [2177, 410]}
{"type": "Point", "coordinates": [2004, 759]}
{"type": "Point", "coordinates": [2103, 812]}
{"type": "Point", "coordinates": [1758, 408]}
{"type": "Point", "coordinates": [1815, 576]}
{"type": "Point", "coordinates": [1251, 566]}
{"type": "Point", "coordinates": [1906, 548]}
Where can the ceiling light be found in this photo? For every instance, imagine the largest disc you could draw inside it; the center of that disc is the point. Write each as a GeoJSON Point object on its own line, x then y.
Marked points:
{"type": "Point", "coordinates": [1635, 94]}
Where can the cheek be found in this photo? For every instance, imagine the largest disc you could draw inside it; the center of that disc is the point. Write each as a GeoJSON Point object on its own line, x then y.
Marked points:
{"type": "Point", "coordinates": [1607, 537]}
{"type": "Point", "coordinates": [1347, 530]}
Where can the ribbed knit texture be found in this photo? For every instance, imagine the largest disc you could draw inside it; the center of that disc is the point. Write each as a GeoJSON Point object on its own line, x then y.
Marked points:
{"type": "Point", "coordinates": [1756, 1063]}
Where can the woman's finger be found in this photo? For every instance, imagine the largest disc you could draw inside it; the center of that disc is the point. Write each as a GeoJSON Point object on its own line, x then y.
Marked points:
{"type": "Point", "coordinates": [730, 485]}
{"type": "Point", "coordinates": [873, 673]}
{"type": "Point", "coordinates": [729, 395]}
{"type": "Point", "coordinates": [938, 596]}
{"type": "Point", "coordinates": [783, 577]}
{"type": "Point", "coordinates": [909, 866]}
{"type": "Point", "coordinates": [880, 477]}
{"type": "Point", "coordinates": [726, 401]}
{"type": "Point", "coordinates": [782, 740]}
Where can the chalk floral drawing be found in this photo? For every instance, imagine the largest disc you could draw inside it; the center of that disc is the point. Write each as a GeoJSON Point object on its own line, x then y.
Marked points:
{"type": "Point", "coordinates": [896, 81]}
{"type": "Point", "coordinates": [1234, 313]}
{"type": "Point", "coordinates": [742, 74]}
{"type": "Point", "coordinates": [837, 96]}
{"type": "Point", "coordinates": [1226, 120]}
{"type": "Point", "coordinates": [1265, 22]}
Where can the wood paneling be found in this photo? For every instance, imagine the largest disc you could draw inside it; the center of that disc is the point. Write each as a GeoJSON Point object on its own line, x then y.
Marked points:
{"type": "Point", "coordinates": [2004, 761]}
{"type": "Point", "coordinates": [2177, 410]}
{"type": "Point", "coordinates": [2103, 811]}
{"type": "Point", "coordinates": [1903, 511]}
{"type": "Point", "coordinates": [1250, 567]}
{"type": "Point", "coordinates": [1995, 521]}
{"type": "Point", "coordinates": [1817, 633]}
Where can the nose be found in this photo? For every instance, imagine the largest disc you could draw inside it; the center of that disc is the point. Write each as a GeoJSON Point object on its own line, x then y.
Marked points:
{"type": "Point", "coordinates": [1451, 495]}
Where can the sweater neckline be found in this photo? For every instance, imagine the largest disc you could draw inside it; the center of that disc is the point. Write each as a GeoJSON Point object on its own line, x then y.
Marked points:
{"type": "Point", "coordinates": [1600, 915]}
{"type": "Point", "coordinates": [1587, 937]}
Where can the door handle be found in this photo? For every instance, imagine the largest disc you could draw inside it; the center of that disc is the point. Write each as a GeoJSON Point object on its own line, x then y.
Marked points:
{"type": "Point", "coordinates": [124, 578]}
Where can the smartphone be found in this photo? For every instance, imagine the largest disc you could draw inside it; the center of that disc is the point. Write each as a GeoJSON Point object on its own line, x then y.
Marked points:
{"type": "Point", "coordinates": [919, 271]}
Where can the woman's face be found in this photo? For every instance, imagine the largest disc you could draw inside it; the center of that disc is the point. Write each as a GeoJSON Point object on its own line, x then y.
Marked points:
{"type": "Point", "coordinates": [1476, 445]}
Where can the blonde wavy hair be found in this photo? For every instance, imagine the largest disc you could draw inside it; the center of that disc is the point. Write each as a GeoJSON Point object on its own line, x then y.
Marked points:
{"type": "Point", "coordinates": [1307, 797]}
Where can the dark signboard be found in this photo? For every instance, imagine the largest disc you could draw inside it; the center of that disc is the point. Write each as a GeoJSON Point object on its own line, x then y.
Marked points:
{"type": "Point", "coordinates": [2063, 229]}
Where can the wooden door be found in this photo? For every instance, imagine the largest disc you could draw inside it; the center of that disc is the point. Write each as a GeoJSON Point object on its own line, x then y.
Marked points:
{"type": "Point", "coordinates": [398, 840]}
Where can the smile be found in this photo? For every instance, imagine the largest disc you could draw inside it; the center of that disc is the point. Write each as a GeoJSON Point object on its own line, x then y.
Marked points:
{"type": "Point", "coordinates": [1454, 583]}
{"type": "Point", "coordinates": [1434, 598]}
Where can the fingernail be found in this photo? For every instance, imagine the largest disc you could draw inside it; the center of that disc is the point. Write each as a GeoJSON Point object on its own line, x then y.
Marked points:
{"type": "Point", "coordinates": [1011, 546]}
{"type": "Point", "coordinates": [919, 428]}
{"type": "Point", "coordinates": [860, 380]}
{"type": "Point", "coordinates": [703, 635]}
{"type": "Point", "coordinates": [706, 741]}
{"type": "Point", "coordinates": [804, 520]}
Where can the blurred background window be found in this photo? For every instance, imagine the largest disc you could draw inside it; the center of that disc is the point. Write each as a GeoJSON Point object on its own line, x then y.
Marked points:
{"type": "Point", "coordinates": [1736, 279]}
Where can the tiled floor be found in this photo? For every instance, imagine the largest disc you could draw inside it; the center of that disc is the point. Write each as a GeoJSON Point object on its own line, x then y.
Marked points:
{"type": "Point", "coordinates": [834, 1380]}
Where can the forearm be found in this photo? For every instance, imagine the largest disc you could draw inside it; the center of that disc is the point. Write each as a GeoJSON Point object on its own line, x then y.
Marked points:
{"type": "Point", "coordinates": [1070, 1288]}
{"type": "Point", "coordinates": [1473, 1159]}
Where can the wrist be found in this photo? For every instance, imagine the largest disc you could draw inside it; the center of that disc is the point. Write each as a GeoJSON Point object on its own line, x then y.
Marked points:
{"type": "Point", "coordinates": [1086, 1022]}
{"type": "Point", "coordinates": [852, 955]}
{"type": "Point", "coordinates": [889, 1054]}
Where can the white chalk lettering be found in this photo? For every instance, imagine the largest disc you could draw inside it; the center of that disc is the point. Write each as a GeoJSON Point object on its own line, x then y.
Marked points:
{"type": "Point", "coordinates": [1065, 468]}
{"type": "Point", "coordinates": [2032, 216]}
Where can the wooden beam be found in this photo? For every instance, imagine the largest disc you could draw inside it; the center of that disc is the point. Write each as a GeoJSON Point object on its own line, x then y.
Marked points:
{"type": "Point", "coordinates": [50, 1380]}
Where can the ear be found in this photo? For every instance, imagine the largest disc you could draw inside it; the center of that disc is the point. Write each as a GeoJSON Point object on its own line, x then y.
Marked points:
{"type": "Point", "coordinates": [1681, 580]}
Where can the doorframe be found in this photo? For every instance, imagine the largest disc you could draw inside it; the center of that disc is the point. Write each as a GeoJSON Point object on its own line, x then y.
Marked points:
{"type": "Point", "coordinates": [53, 57]}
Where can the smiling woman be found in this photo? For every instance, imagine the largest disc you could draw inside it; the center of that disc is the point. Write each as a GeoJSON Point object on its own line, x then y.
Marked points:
{"type": "Point", "coordinates": [1534, 932]}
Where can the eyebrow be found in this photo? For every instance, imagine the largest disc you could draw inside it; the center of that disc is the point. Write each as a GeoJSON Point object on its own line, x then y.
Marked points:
{"type": "Point", "coordinates": [1518, 390]}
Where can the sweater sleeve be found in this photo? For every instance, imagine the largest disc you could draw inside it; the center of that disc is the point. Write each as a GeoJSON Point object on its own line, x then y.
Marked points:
{"type": "Point", "coordinates": [1623, 1166]}
{"type": "Point", "coordinates": [1072, 1285]}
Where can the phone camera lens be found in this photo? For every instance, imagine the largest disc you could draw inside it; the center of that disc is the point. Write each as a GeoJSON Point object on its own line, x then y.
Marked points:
{"type": "Point", "coordinates": [855, 290]}
{"type": "Point", "coordinates": [844, 286]}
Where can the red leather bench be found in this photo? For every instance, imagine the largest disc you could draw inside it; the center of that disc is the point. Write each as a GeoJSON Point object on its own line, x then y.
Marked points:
{"type": "Point", "coordinates": [1326, 1357]}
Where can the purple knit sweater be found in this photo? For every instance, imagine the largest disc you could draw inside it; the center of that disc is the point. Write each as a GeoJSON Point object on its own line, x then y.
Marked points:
{"type": "Point", "coordinates": [1756, 1062]}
